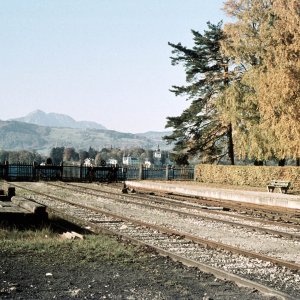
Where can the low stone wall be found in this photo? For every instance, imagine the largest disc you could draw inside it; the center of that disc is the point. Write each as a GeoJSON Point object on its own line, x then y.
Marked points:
{"type": "Point", "coordinates": [256, 176]}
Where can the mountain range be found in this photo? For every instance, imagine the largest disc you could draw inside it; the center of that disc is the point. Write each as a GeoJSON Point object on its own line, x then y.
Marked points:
{"type": "Point", "coordinates": [41, 118]}
{"type": "Point", "coordinates": [42, 131]}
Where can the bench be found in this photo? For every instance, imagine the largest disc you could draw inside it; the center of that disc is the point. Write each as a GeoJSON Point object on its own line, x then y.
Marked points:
{"type": "Point", "coordinates": [283, 185]}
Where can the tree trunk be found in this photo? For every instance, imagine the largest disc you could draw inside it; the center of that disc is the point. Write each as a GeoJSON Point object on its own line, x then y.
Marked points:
{"type": "Point", "coordinates": [230, 144]}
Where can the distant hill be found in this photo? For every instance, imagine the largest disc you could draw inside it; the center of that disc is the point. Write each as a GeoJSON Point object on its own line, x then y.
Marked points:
{"type": "Point", "coordinates": [39, 117]}
{"type": "Point", "coordinates": [15, 135]}
{"type": "Point", "coordinates": [155, 136]}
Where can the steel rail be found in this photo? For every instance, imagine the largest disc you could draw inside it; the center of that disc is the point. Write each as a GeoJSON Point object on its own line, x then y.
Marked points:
{"type": "Point", "coordinates": [193, 215]}
{"type": "Point", "coordinates": [221, 274]}
{"type": "Point", "coordinates": [190, 237]}
{"type": "Point", "coordinates": [264, 209]}
{"type": "Point", "coordinates": [163, 198]}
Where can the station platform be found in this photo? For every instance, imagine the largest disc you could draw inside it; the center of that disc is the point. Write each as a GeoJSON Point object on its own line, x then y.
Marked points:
{"type": "Point", "coordinates": [240, 195]}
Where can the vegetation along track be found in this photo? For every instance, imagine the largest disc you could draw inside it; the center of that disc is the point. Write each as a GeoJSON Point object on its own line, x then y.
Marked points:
{"type": "Point", "coordinates": [183, 235]}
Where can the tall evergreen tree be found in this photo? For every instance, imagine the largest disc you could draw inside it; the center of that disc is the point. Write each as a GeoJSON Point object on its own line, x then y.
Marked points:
{"type": "Point", "coordinates": [199, 129]}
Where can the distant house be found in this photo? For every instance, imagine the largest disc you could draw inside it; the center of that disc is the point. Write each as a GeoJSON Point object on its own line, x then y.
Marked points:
{"type": "Point", "coordinates": [112, 162]}
{"type": "Point", "coordinates": [147, 164]}
{"type": "Point", "coordinates": [89, 162]}
{"type": "Point", "coordinates": [157, 153]}
{"type": "Point", "coordinates": [130, 161]}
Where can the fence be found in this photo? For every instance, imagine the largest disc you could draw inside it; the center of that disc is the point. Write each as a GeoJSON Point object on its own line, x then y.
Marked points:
{"type": "Point", "coordinates": [163, 173]}
{"type": "Point", "coordinates": [34, 172]}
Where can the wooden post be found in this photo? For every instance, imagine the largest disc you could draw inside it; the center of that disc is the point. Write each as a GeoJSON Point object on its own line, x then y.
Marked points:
{"type": "Point", "coordinates": [11, 192]}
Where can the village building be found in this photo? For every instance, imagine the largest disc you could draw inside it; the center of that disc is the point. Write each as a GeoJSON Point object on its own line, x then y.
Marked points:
{"type": "Point", "coordinates": [157, 153]}
{"type": "Point", "coordinates": [130, 161]}
{"type": "Point", "coordinates": [89, 162]}
{"type": "Point", "coordinates": [112, 162]}
{"type": "Point", "coordinates": [147, 164]}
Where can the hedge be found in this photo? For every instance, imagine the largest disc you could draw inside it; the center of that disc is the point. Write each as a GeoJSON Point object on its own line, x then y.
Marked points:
{"type": "Point", "coordinates": [256, 176]}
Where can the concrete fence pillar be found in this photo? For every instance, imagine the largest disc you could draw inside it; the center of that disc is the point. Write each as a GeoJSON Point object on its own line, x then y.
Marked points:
{"type": "Point", "coordinates": [167, 172]}
{"type": "Point", "coordinates": [141, 172]}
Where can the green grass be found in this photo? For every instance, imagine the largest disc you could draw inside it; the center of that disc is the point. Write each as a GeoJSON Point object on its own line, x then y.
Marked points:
{"type": "Point", "coordinates": [44, 241]}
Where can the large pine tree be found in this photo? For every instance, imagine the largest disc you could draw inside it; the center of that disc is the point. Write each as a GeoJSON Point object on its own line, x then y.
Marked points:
{"type": "Point", "coordinates": [200, 130]}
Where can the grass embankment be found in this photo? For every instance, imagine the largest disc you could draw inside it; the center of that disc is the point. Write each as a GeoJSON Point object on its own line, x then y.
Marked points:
{"type": "Point", "coordinates": [45, 241]}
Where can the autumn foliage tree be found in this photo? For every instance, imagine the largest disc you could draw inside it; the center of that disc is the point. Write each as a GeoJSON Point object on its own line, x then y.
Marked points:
{"type": "Point", "coordinates": [255, 104]}
{"type": "Point", "coordinates": [265, 99]}
{"type": "Point", "coordinates": [70, 154]}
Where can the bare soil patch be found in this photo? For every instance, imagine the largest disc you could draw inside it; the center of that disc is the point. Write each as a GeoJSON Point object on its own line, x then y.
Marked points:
{"type": "Point", "coordinates": [42, 266]}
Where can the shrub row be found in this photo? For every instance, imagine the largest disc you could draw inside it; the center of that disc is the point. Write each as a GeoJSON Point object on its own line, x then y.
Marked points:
{"type": "Point", "coordinates": [256, 176]}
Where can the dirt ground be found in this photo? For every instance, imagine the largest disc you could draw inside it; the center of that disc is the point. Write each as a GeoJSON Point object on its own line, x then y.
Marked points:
{"type": "Point", "coordinates": [67, 272]}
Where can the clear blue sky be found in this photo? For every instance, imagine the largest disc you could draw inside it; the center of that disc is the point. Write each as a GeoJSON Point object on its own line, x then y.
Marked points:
{"type": "Point", "coordinates": [97, 60]}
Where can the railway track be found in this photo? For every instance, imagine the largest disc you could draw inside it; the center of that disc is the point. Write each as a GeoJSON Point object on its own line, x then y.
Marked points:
{"type": "Point", "coordinates": [267, 274]}
{"type": "Point", "coordinates": [271, 215]}
{"type": "Point", "coordinates": [190, 210]}
{"type": "Point", "coordinates": [277, 214]}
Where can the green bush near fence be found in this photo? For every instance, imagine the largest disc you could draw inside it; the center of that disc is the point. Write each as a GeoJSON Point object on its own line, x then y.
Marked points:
{"type": "Point", "coordinates": [256, 176]}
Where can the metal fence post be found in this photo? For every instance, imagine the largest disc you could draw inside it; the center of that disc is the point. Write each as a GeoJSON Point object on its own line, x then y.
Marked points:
{"type": "Point", "coordinates": [61, 173]}
{"type": "Point", "coordinates": [33, 171]}
{"type": "Point", "coordinates": [6, 168]}
{"type": "Point", "coordinates": [80, 171]}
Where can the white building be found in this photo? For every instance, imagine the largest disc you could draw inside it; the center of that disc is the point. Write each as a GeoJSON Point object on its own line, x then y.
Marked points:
{"type": "Point", "coordinates": [147, 164]}
{"type": "Point", "coordinates": [130, 161]}
{"type": "Point", "coordinates": [157, 153]}
{"type": "Point", "coordinates": [89, 162]}
{"type": "Point", "coordinates": [112, 162]}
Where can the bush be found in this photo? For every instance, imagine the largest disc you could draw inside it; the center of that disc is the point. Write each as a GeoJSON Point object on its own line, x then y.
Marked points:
{"type": "Point", "coordinates": [256, 176]}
